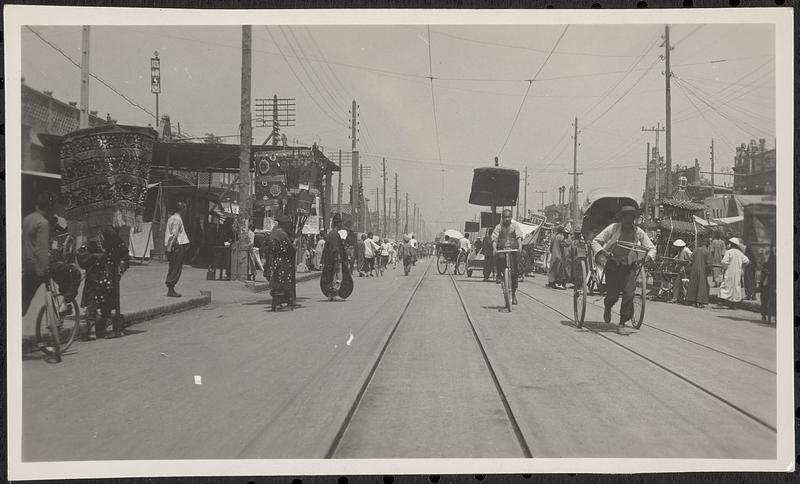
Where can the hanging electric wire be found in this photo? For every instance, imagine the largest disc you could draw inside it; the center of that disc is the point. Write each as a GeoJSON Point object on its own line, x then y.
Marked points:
{"type": "Point", "coordinates": [528, 89]}
{"type": "Point", "coordinates": [433, 101]}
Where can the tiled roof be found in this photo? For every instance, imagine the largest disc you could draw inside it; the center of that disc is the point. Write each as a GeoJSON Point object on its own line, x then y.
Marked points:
{"type": "Point", "coordinates": [684, 204]}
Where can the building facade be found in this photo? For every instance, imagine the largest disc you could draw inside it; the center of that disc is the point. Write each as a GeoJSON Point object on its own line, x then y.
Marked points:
{"type": "Point", "coordinates": [754, 166]}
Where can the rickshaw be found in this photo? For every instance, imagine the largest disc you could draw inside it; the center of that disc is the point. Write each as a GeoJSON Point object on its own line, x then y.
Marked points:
{"type": "Point", "coordinates": [450, 253]}
{"type": "Point", "coordinates": [589, 276]}
{"type": "Point", "coordinates": [497, 187]}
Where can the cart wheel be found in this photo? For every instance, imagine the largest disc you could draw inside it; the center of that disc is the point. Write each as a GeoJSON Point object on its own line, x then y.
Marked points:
{"type": "Point", "coordinates": [469, 272]}
{"type": "Point", "coordinates": [579, 294]}
{"type": "Point", "coordinates": [441, 264]}
{"type": "Point", "coordinates": [639, 300]}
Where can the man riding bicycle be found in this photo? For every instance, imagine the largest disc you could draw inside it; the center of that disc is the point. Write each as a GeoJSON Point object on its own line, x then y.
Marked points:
{"type": "Point", "coordinates": [507, 235]}
{"type": "Point", "coordinates": [620, 272]}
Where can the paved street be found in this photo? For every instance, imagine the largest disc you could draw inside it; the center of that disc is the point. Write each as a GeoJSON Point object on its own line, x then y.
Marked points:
{"type": "Point", "coordinates": [419, 366]}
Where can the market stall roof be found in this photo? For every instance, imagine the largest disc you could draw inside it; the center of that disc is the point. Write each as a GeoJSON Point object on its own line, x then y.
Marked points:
{"type": "Point", "coordinates": [729, 220]}
{"type": "Point", "coordinates": [683, 204]}
{"type": "Point", "coordinates": [746, 200]}
{"type": "Point", "coordinates": [494, 186]}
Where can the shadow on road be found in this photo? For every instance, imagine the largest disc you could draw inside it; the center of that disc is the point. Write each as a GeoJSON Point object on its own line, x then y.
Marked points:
{"type": "Point", "coordinates": [747, 320]}
{"type": "Point", "coordinates": [268, 302]}
{"type": "Point", "coordinates": [598, 327]}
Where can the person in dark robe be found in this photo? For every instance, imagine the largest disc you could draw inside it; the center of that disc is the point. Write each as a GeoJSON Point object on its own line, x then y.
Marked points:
{"type": "Point", "coordinates": [768, 281]}
{"type": "Point", "coordinates": [282, 266]}
{"type": "Point", "coordinates": [333, 260]}
{"type": "Point", "coordinates": [488, 258]}
{"type": "Point", "coordinates": [699, 269]}
{"type": "Point", "coordinates": [105, 259]}
{"type": "Point", "coordinates": [749, 276]}
{"type": "Point", "coordinates": [559, 272]}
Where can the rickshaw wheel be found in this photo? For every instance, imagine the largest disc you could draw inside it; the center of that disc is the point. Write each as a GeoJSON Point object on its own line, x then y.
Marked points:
{"type": "Point", "coordinates": [639, 300]}
{"type": "Point", "coordinates": [441, 264]}
{"type": "Point", "coordinates": [461, 264]}
{"type": "Point", "coordinates": [507, 288]}
{"type": "Point", "coordinates": [579, 294]}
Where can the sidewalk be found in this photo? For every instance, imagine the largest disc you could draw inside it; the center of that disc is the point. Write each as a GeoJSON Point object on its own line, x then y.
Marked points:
{"type": "Point", "coordinates": [144, 295]}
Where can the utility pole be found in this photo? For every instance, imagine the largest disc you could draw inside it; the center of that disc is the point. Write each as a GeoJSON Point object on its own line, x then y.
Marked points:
{"type": "Point", "coordinates": [414, 221]}
{"type": "Point", "coordinates": [385, 213]}
{"type": "Point", "coordinates": [378, 209]}
{"type": "Point", "coordinates": [647, 180]}
{"type": "Point", "coordinates": [339, 193]}
{"type": "Point", "coordinates": [389, 216]}
{"type": "Point", "coordinates": [84, 122]}
{"type": "Point", "coordinates": [668, 76]}
{"type": "Point", "coordinates": [712, 167]}
{"type": "Point", "coordinates": [525, 205]}
{"type": "Point", "coordinates": [396, 211]}
{"type": "Point", "coordinates": [240, 265]}
{"type": "Point", "coordinates": [155, 80]}
{"type": "Point", "coordinates": [355, 168]}
{"type": "Point", "coordinates": [574, 173]}
{"type": "Point", "coordinates": [406, 229]}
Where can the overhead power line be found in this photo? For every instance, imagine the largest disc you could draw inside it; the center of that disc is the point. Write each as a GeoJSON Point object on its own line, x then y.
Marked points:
{"type": "Point", "coordinates": [528, 89]}
{"type": "Point", "coordinates": [433, 101]}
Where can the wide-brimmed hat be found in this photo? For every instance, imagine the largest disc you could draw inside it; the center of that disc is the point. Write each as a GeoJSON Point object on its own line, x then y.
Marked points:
{"type": "Point", "coordinates": [626, 209]}
{"type": "Point", "coordinates": [736, 241]}
{"type": "Point", "coordinates": [679, 243]}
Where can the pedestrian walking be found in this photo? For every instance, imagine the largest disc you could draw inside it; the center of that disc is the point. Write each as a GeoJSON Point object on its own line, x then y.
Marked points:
{"type": "Point", "coordinates": [361, 249]}
{"type": "Point", "coordinates": [697, 290]}
{"type": "Point", "coordinates": [559, 272]}
{"type": "Point", "coordinates": [36, 248]}
{"type": "Point", "coordinates": [370, 252]}
{"type": "Point", "coordinates": [282, 266]}
{"type": "Point", "coordinates": [255, 253]}
{"type": "Point", "coordinates": [680, 286]}
{"type": "Point", "coordinates": [320, 248]}
{"type": "Point", "coordinates": [105, 259]}
{"type": "Point", "coordinates": [405, 252]}
{"type": "Point", "coordinates": [414, 247]}
{"type": "Point", "coordinates": [620, 273]}
{"type": "Point", "coordinates": [335, 280]}
{"type": "Point", "coordinates": [749, 277]}
{"type": "Point", "coordinates": [767, 289]}
{"type": "Point", "coordinates": [488, 258]}
{"type": "Point", "coordinates": [717, 250]}
{"type": "Point", "coordinates": [176, 242]}
{"type": "Point", "coordinates": [734, 260]}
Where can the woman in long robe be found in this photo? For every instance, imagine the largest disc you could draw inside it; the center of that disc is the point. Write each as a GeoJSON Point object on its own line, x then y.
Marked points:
{"type": "Point", "coordinates": [734, 260]}
{"type": "Point", "coordinates": [559, 272]}
{"type": "Point", "coordinates": [282, 277]}
{"type": "Point", "coordinates": [697, 292]}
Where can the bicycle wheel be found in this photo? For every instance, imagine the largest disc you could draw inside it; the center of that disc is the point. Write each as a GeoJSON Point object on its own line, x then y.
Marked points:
{"type": "Point", "coordinates": [579, 295]}
{"type": "Point", "coordinates": [639, 300]}
{"type": "Point", "coordinates": [507, 287]}
{"type": "Point", "coordinates": [47, 338]}
{"type": "Point", "coordinates": [441, 264]}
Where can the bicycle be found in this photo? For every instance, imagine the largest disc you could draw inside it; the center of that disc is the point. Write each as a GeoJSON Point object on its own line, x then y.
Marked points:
{"type": "Point", "coordinates": [56, 331]}
{"type": "Point", "coordinates": [506, 281]}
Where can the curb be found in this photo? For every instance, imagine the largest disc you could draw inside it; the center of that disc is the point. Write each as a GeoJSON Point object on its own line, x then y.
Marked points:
{"type": "Point", "coordinates": [264, 286]}
{"type": "Point", "coordinates": [131, 318]}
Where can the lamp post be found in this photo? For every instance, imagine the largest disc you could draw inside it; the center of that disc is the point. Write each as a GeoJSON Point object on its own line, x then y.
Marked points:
{"type": "Point", "coordinates": [155, 79]}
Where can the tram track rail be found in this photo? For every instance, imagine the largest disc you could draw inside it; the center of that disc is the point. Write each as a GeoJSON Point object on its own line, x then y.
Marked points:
{"type": "Point", "coordinates": [662, 367]}
{"type": "Point", "coordinates": [684, 338]}
{"type": "Point", "coordinates": [524, 447]}
{"type": "Point", "coordinates": [337, 440]}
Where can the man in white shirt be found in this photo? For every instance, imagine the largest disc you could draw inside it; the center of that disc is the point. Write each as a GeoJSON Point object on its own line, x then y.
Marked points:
{"type": "Point", "coordinates": [465, 244]}
{"type": "Point", "coordinates": [370, 250]}
{"type": "Point", "coordinates": [175, 244]}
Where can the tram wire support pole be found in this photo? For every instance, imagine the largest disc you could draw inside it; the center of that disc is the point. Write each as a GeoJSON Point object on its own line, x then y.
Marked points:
{"type": "Point", "coordinates": [396, 209]}
{"type": "Point", "coordinates": [575, 174]}
{"type": "Point", "coordinates": [668, 128]}
{"type": "Point", "coordinates": [240, 263]}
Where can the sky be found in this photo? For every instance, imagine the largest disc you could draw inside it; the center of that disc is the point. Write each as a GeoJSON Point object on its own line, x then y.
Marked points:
{"type": "Point", "coordinates": [480, 103]}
